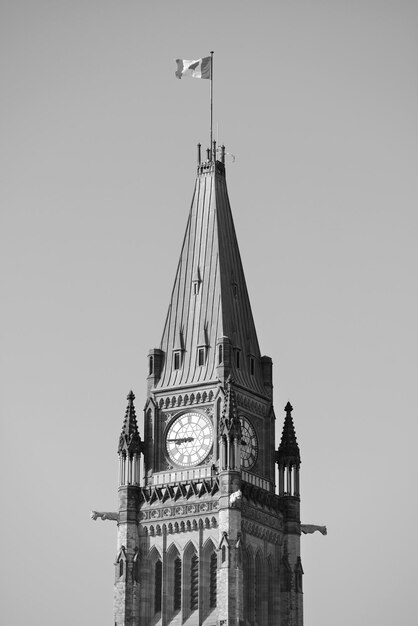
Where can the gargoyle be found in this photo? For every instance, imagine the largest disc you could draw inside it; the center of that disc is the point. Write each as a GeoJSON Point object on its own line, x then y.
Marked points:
{"type": "Point", "coordinates": [307, 529]}
{"type": "Point", "coordinates": [104, 515]}
{"type": "Point", "coordinates": [235, 498]}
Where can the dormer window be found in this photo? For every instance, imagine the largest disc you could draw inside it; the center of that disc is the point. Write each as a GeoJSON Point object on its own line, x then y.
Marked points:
{"type": "Point", "coordinates": [201, 356]}
{"type": "Point", "coordinates": [196, 286]}
{"type": "Point", "coordinates": [237, 358]}
{"type": "Point", "coordinates": [252, 365]}
{"type": "Point", "coordinates": [177, 359]}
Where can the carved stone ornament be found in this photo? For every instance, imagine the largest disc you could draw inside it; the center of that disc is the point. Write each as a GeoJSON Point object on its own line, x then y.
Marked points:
{"type": "Point", "coordinates": [105, 515]}
{"type": "Point", "coordinates": [209, 411]}
{"type": "Point", "coordinates": [307, 529]}
{"type": "Point", "coordinates": [235, 498]}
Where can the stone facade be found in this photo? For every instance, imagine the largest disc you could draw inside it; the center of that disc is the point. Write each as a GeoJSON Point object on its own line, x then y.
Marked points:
{"type": "Point", "coordinates": [203, 537]}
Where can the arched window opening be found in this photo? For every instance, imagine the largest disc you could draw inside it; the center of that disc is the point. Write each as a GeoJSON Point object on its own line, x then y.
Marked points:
{"type": "Point", "coordinates": [121, 568]}
{"type": "Point", "coordinates": [213, 573]}
{"type": "Point", "coordinates": [177, 360]}
{"type": "Point", "coordinates": [223, 554]}
{"type": "Point", "coordinates": [151, 365]}
{"type": "Point", "coordinates": [270, 588]}
{"type": "Point", "coordinates": [201, 356]}
{"type": "Point", "coordinates": [158, 586]}
{"type": "Point", "coordinates": [252, 366]}
{"type": "Point", "coordinates": [259, 590]}
{"type": "Point", "coordinates": [220, 354]}
{"type": "Point", "coordinates": [249, 587]}
{"type": "Point", "coordinates": [237, 358]}
{"type": "Point", "coordinates": [194, 582]}
{"type": "Point", "coordinates": [177, 584]}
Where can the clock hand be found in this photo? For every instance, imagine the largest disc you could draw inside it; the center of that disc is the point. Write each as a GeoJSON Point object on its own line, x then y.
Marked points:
{"type": "Point", "coordinates": [182, 440]}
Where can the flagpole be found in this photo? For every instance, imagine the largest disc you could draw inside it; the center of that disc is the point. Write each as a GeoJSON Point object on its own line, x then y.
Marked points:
{"type": "Point", "coordinates": [211, 107]}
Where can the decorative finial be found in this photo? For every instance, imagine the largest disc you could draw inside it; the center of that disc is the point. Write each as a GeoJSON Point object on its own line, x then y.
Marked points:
{"type": "Point", "coordinates": [130, 441]}
{"type": "Point", "coordinates": [288, 451]}
{"type": "Point", "coordinates": [288, 408]}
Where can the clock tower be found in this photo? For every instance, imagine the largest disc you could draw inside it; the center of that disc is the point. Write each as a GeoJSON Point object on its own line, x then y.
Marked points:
{"type": "Point", "coordinates": [204, 535]}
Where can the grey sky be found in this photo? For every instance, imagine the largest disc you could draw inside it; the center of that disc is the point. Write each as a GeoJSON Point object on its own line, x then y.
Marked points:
{"type": "Point", "coordinates": [318, 102]}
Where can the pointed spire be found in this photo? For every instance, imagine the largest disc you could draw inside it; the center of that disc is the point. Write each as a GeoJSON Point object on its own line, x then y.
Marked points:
{"type": "Point", "coordinates": [204, 304]}
{"type": "Point", "coordinates": [288, 452]}
{"type": "Point", "coordinates": [229, 423]}
{"type": "Point", "coordinates": [129, 440]}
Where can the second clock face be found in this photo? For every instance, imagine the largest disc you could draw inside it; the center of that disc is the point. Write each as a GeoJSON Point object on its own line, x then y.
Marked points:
{"type": "Point", "coordinates": [249, 445]}
{"type": "Point", "coordinates": [189, 439]}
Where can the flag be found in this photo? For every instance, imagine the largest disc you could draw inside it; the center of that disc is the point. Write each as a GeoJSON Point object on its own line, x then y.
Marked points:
{"type": "Point", "coordinates": [197, 69]}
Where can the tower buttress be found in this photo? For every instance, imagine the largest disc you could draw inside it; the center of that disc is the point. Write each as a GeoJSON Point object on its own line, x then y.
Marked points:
{"type": "Point", "coordinates": [288, 461]}
{"type": "Point", "coordinates": [126, 589]}
{"type": "Point", "coordinates": [230, 575]}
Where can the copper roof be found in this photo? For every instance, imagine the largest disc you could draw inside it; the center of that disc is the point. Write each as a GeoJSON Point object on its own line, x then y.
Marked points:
{"type": "Point", "coordinates": [209, 299]}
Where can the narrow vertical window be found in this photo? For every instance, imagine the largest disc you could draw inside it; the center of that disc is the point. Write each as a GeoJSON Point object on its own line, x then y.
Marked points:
{"type": "Point", "coordinates": [259, 587]}
{"type": "Point", "coordinates": [249, 596]}
{"type": "Point", "coordinates": [201, 356]}
{"type": "Point", "coordinates": [237, 358]}
{"type": "Point", "coordinates": [220, 354]}
{"type": "Point", "coordinates": [151, 365]}
{"type": "Point", "coordinates": [177, 584]}
{"type": "Point", "coordinates": [270, 594]}
{"type": "Point", "coordinates": [158, 586]}
{"type": "Point", "coordinates": [252, 365]}
{"type": "Point", "coordinates": [194, 583]}
{"type": "Point", "coordinates": [213, 573]}
{"type": "Point", "coordinates": [121, 568]}
{"type": "Point", "coordinates": [223, 554]}
{"type": "Point", "coordinates": [177, 360]}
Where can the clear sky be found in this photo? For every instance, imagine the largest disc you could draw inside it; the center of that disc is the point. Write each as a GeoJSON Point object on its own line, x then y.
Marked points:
{"type": "Point", "coordinates": [318, 102]}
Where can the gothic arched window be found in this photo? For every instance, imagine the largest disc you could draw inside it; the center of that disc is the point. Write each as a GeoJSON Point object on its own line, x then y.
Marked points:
{"type": "Point", "coordinates": [213, 574]}
{"type": "Point", "coordinates": [270, 589]}
{"type": "Point", "coordinates": [259, 588]}
{"type": "Point", "coordinates": [158, 586]}
{"type": "Point", "coordinates": [249, 586]}
{"type": "Point", "coordinates": [177, 584]}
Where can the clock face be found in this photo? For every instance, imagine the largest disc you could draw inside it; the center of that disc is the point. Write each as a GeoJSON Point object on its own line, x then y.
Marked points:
{"type": "Point", "coordinates": [249, 444]}
{"type": "Point", "coordinates": [189, 439]}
